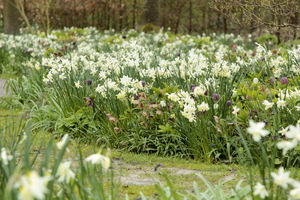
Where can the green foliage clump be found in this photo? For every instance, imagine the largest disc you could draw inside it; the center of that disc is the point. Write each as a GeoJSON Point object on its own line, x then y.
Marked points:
{"type": "Point", "coordinates": [267, 38]}
{"type": "Point", "coordinates": [150, 28]}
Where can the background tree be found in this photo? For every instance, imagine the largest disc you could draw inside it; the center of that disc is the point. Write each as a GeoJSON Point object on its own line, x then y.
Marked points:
{"type": "Point", "coordinates": [11, 17]}
{"type": "Point", "coordinates": [274, 15]}
{"type": "Point", "coordinates": [151, 14]}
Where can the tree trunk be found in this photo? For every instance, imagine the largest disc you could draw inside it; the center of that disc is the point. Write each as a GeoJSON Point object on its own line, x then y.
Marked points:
{"type": "Point", "coordinates": [190, 16]}
{"type": "Point", "coordinates": [11, 17]}
{"type": "Point", "coordinates": [151, 12]}
{"type": "Point", "coordinates": [133, 14]}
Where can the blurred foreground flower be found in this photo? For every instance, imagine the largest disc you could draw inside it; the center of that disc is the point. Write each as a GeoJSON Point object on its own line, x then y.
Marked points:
{"type": "Point", "coordinates": [256, 130]}
{"type": "Point", "coordinates": [260, 190]}
{"type": "Point", "coordinates": [282, 178]}
{"type": "Point", "coordinates": [99, 159]}
{"type": "Point", "coordinates": [63, 141]}
{"type": "Point", "coordinates": [64, 172]}
{"type": "Point", "coordinates": [5, 157]}
{"type": "Point", "coordinates": [32, 186]}
{"type": "Point", "coordinates": [286, 145]}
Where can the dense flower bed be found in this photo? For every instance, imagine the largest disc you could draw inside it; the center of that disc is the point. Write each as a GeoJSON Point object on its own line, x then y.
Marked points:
{"type": "Point", "coordinates": [212, 98]}
{"type": "Point", "coordinates": [161, 93]}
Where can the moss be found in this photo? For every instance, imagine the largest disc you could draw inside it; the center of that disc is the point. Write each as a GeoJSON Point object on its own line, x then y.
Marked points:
{"type": "Point", "coordinates": [150, 28]}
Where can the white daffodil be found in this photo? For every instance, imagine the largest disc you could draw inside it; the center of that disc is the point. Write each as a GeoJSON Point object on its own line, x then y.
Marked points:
{"type": "Point", "coordinates": [125, 80]}
{"type": "Point", "coordinates": [199, 91]}
{"type": "Point", "coordinates": [255, 81]}
{"type": "Point", "coordinates": [256, 130]}
{"type": "Point", "coordinates": [24, 137]}
{"type": "Point", "coordinates": [203, 107]}
{"type": "Point", "coordinates": [62, 76]}
{"type": "Point", "coordinates": [5, 158]}
{"type": "Point", "coordinates": [260, 190]}
{"type": "Point", "coordinates": [295, 193]}
{"type": "Point", "coordinates": [284, 131]}
{"type": "Point", "coordinates": [235, 110]}
{"type": "Point", "coordinates": [286, 145]}
{"type": "Point", "coordinates": [281, 103]}
{"type": "Point", "coordinates": [268, 104]}
{"type": "Point", "coordinates": [282, 178]}
{"type": "Point", "coordinates": [163, 103]}
{"type": "Point", "coordinates": [294, 132]}
{"type": "Point", "coordinates": [77, 84]}
{"type": "Point", "coordinates": [62, 143]}
{"type": "Point", "coordinates": [32, 186]}
{"type": "Point", "coordinates": [99, 159]}
{"type": "Point", "coordinates": [64, 172]}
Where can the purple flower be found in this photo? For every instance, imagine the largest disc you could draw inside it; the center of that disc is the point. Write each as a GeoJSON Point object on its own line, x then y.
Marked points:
{"type": "Point", "coordinates": [272, 80]}
{"type": "Point", "coordinates": [284, 81]}
{"type": "Point", "coordinates": [89, 102]}
{"type": "Point", "coordinates": [215, 97]}
{"type": "Point", "coordinates": [192, 87]}
{"type": "Point", "coordinates": [124, 36]}
{"type": "Point", "coordinates": [263, 59]}
{"type": "Point", "coordinates": [143, 83]}
{"type": "Point", "coordinates": [136, 97]}
{"type": "Point", "coordinates": [89, 82]}
{"type": "Point", "coordinates": [228, 103]}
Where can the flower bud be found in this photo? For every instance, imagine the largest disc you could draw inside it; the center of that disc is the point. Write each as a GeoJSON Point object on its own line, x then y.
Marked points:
{"type": "Point", "coordinates": [228, 103]}
{"type": "Point", "coordinates": [89, 82]}
{"type": "Point", "coordinates": [284, 81]}
{"type": "Point", "coordinates": [272, 80]}
{"type": "Point", "coordinates": [143, 83]}
{"type": "Point", "coordinates": [215, 97]}
{"type": "Point", "coordinates": [255, 81]}
{"type": "Point", "coordinates": [192, 87]}
{"type": "Point", "coordinates": [136, 97]}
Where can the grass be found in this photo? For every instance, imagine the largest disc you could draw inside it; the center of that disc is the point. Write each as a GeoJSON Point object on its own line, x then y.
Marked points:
{"type": "Point", "coordinates": [136, 171]}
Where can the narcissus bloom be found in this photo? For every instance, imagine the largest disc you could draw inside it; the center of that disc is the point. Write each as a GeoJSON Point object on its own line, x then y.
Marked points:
{"type": "Point", "coordinates": [282, 178]}
{"type": "Point", "coordinates": [256, 130]}
{"type": "Point", "coordinates": [295, 193]}
{"type": "Point", "coordinates": [64, 172]}
{"type": "Point", "coordinates": [99, 159]}
{"type": "Point", "coordinates": [77, 84]}
{"type": "Point", "coordinates": [268, 104]}
{"type": "Point", "coordinates": [32, 186]}
{"type": "Point", "coordinates": [62, 142]}
{"type": "Point", "coordinates": [286, 145]}
{"type": "Point", "coordinates": [260, 190]}
{"type": "Point", "coordinates": [255, 81]}
{"type": "Point", "coordinates": [5, 157]}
